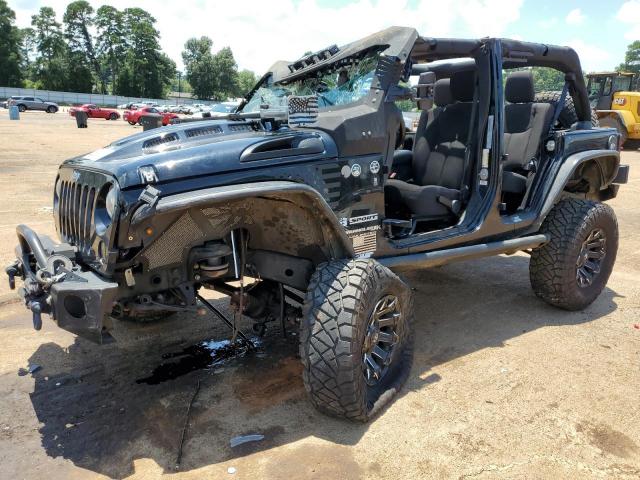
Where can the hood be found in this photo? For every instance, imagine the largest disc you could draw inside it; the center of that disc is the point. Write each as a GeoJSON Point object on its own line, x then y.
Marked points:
{"type": "Point", "coordinates": [203, 148]}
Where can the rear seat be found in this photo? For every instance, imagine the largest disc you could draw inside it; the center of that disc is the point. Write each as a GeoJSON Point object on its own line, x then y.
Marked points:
{"type": "Point", "coordinates": [525, 126]}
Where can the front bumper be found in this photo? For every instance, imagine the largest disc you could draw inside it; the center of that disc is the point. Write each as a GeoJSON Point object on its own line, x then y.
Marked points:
{"type": "Point", "coordinates": [78, 300]}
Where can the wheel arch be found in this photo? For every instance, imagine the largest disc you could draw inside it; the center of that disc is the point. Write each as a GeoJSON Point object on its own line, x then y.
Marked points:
{"type": "Point", "coordinates": [282, 217]}
{"type": "Point", "coordinates": [587, 174]}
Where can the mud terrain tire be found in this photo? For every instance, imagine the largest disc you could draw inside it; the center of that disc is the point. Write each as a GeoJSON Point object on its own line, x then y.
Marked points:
{"type": "Point", "coordinates": [351, 308]}
{"type": "Point", "coordinates": [583, 245]}
{"type": "Point", "coordinates": [568, 115]}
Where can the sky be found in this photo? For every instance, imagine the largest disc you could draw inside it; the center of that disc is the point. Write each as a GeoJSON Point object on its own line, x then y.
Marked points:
{"type": "Point", "coordinates": [262, 31]}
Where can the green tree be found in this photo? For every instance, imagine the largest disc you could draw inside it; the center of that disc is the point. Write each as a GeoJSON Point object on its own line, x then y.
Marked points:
{"type": "Point", "coordinates": [246, 81]}
{"type": "Point", "coordinates": [10, 48]}
{"type": "Point", "coordinates": [631, 59]}
{"type": "Point", "coordinates": [200, 67]}
{"type": "Point", "coordinates": [226, 73]}
{"type": "Point", "coordinates": [144, 71]}
{"type": "Point", "coordinates": [78, 18]}
{"type": "Point", "coordinates": [211, 76]}
{"type": "Point", "coordinates": [50, 69]}
{"type": "Point", "coordinates": [547, 79]}
{"type": "Point", "coordinates": [110, 42]}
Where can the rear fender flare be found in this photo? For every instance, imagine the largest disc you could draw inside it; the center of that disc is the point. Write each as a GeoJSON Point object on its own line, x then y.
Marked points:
{"type": "Point", "coordinates": [597, 167]}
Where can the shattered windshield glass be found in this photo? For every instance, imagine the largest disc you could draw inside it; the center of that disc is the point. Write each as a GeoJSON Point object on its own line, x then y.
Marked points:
{"type": "Point", "coordinates": [341, 83]}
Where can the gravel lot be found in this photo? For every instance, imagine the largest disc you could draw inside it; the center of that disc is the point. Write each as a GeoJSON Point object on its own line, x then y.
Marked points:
{"type": "Point", "coordinates": [503, 386]}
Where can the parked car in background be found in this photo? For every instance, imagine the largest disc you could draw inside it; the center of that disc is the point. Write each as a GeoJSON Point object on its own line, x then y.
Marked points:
{"type": "Point", "coordinates": [224, 108]}
{"type": "Point", "coordinates": [32, 103]}
{"type": "Point", "coordinates": [134, 116]}
{"type": "Point", "coordinates": [126, 106]}
{"type": "Point", "coordinates": [93, 111]}
{"type": "Point", "coordinates": [5, 104]}
{"type": "Point", "coordinates": [217, 110]}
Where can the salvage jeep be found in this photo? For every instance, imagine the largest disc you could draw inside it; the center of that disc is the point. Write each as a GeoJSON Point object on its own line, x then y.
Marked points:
{"type": "Point", "coordinates": [301, 203]}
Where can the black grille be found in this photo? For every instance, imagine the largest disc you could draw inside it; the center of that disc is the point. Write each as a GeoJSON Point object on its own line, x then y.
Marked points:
{"type": "Point", "coordinates": [75, 213]}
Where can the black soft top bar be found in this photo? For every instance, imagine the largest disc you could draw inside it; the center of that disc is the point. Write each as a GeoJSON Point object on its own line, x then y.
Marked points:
{"type": "Point", "coordinates": [515, 53]}
{"type": "Point", "coordinates": [404, 43]}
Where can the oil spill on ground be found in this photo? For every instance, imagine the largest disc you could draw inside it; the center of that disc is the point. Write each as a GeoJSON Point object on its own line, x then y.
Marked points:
{"type": "Point", "coordinates": [203, 355]}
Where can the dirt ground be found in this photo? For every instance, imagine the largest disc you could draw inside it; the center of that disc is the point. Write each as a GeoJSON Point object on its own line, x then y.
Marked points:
{"type": "Point", "coordinates": [503, 386]}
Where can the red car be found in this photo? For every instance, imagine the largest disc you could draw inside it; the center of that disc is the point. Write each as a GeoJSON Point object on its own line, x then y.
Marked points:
{"type": "Point", "coordinates": [93, 111]}
{"type": "Point", "coordinates": [134, 116]}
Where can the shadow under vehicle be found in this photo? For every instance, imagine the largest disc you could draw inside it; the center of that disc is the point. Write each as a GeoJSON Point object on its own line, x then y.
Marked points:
{"type": "Point", "coordinates": [298, 205]}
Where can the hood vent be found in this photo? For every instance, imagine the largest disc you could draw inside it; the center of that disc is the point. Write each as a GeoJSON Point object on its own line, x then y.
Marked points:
{"type": "Point", "coordinates": [240, 128]}
{"type": "Point", "coordinates": [283, 146]}
{"type": "Point", "coordinates": [203, 131]}
{"type": "Point", "coordinates": [157, 141]}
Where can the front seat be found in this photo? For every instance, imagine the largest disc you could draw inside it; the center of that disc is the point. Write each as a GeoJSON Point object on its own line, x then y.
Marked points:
{"type": "Point", "coordinates": [526, 123]}
{"type": "Point", "coordinates": [431, 188]}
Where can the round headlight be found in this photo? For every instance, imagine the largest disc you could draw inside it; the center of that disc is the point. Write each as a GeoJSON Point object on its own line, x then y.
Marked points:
{"type": "Point", "coordinates": [111, 202]}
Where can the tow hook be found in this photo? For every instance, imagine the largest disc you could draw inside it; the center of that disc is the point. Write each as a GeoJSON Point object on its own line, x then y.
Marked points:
{"type": "Point", "coordinates": [36, 310]}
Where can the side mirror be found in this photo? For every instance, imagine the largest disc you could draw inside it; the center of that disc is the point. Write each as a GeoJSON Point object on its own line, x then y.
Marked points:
{"type": "Point", "coordinates": [425, 89]}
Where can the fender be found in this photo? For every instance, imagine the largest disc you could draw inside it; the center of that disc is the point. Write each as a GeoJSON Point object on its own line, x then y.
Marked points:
{"type": "Point", "coordinates": [625, 116]}
{"type": "Point", "coordinates": [599, 167]}
{"type": "Point", "coordinates": [281, 216]}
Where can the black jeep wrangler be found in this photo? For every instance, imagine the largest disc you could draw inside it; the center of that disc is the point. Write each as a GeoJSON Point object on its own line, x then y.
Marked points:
{"type": "Point", "coordinates": [299, 204]}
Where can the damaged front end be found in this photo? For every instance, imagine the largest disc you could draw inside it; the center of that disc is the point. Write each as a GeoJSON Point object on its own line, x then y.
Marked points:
{"type": "Point", "coordinates": [78, 300]}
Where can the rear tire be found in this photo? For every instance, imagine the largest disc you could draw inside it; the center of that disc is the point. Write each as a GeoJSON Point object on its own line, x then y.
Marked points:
{"type": "Point", "coordinates": [568, 115]}
{"type": "Point", "coordinates": [131, 123]}
{"type": "Point", "coordinates": [113, 116]}
{"type": "Point", "coordinates": [572, 269]}
{"type": "Point", "coordinates": [356, 346]}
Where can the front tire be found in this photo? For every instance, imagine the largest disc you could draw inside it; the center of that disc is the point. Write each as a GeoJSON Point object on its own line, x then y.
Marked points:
{"type": "Point", "coordinates": [355, 343]}
{"type": "Point", "coordinates": [22, 108]}
{"type": "Point", "coordinates": [572, 269]}
{"type": "Point", "coordinates": [51, 109]}
{"type": "Point", "coordinates": [131, 123]}
{"type": "Point", "coordinates": [113, 116]}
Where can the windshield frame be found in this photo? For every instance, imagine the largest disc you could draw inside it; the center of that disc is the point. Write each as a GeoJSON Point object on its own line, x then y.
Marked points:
{"type": "Point", "coordinates": [333, 97]}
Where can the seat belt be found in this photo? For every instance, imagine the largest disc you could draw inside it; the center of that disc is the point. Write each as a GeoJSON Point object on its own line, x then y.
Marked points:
{"type": "Point", "coordinates": [466, 173]}
{"type": "Point", "coordinates": [456, 205]}
{"type": "Point", "coordinates": [558, 108]}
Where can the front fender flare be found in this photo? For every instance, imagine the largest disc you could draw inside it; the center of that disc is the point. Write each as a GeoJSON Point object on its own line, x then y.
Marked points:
{"type": "Point", "coordinates": [282, 216]}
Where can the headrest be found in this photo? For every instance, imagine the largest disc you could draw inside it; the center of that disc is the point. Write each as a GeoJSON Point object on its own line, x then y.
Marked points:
{"type": "Point", "coordinates": [425, 90]}
{"type": "Point", "coordinates": [426, 77]}
{"type": "Point", "coordinates": [519, 87]}
{"type": "Point", "coordinates": [463, 85]}
{"type": "Point", "coordinates": [442, 92]}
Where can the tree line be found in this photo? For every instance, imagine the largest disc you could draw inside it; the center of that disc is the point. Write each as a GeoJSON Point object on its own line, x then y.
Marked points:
{"type": "Point", "coordinates": [110, 51]}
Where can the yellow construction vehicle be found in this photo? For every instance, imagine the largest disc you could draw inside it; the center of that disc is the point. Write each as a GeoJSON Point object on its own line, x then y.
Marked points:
{"type": "Point", "coordinates": [614, 97]}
